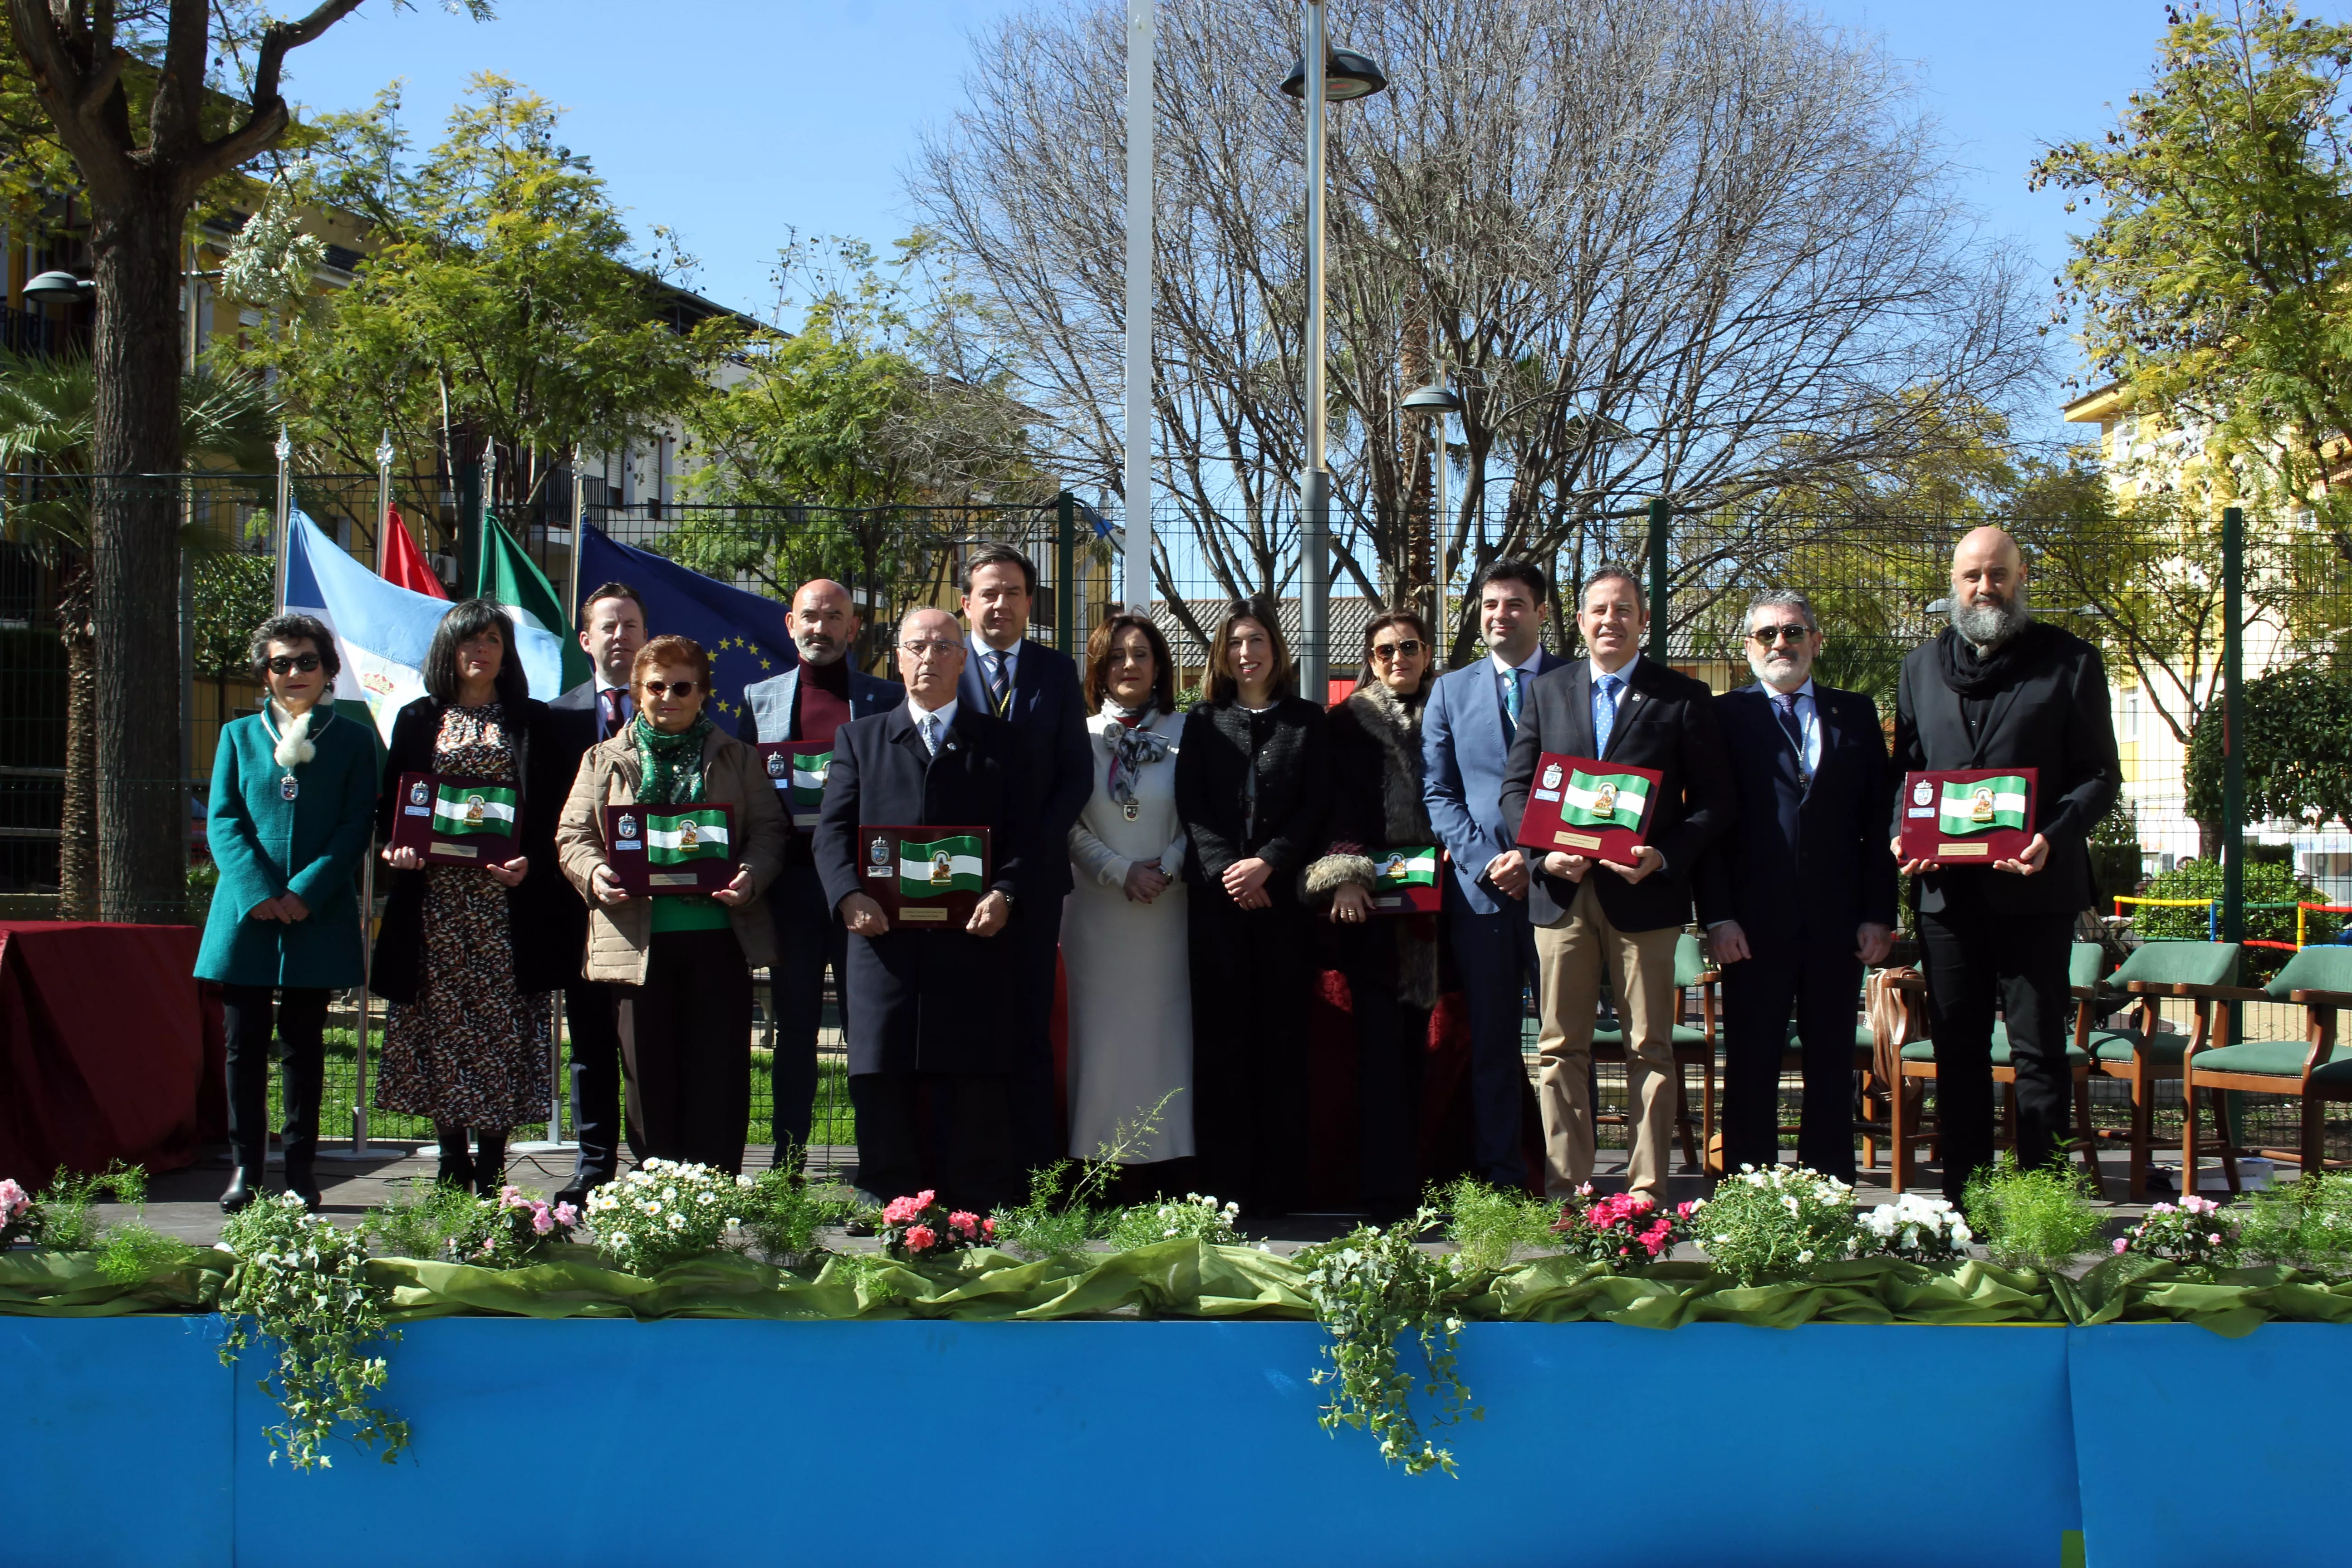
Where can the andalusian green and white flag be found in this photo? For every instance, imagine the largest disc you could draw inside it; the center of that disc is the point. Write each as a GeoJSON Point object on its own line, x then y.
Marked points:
{"type": "Point", "coordinates": [1604, 800]}
{"type": "Point", "coordinates": [808, 779]}
{"type": "Point", "coordinates": [507, 572]}
{"type": "Point", "coordinates": [672, 837]}
{"type": "Point", "coordinates": [474, 808]}
{"type": "Point", "coordinates": [1415, 868]}
{"type": "Point", "coordinates": [1981, 806]}
{"type": "Point", "coordinates": [943, 866]}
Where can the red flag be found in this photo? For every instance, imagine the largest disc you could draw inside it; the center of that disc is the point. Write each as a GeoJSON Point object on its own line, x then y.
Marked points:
{"type": "Point", "coordinates": [404, 565]}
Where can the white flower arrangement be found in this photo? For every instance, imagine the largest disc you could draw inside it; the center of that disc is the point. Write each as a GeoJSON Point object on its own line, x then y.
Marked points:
{"type": "Point", "coordinates": [1198, 1217]}
{"type": "Point", "coordinates": [1917, 1228]}
{"type": "Point", "coordinates": [664, 1213]}
{"type": "Point", "coordinates": [1768, 1221]}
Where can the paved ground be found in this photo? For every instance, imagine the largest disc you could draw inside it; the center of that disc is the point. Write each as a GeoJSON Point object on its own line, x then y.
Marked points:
{"type": "Point", "coordinates": [184, 1203]}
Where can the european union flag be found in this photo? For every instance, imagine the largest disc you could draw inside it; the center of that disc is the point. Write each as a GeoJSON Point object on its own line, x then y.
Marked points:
{"type": "Point", "coordinates": [747, 638]}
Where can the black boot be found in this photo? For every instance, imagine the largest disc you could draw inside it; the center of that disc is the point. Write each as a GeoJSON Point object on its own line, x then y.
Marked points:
{"type": "Point", "coordinates": [245, 1185]}
{"type": "Point", "coordinates": [301, 1178]}
{"type": "Point", "coordinates": [457, 1165]}
{"type": "Point", "coordinates": [489, 1162]}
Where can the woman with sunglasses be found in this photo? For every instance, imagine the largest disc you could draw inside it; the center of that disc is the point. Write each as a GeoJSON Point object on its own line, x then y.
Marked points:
{"type": "Point", "coordinates": [1391, 962]}
{"type": "Point", "coordinates": [467, 955]}
{"type": "Point", "coordinates": [683, 961]}
{"type": "Point", "coordinates": [293, 786]}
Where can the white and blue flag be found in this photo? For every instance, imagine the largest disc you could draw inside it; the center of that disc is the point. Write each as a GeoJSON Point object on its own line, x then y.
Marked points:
{"type": "Point", "coordinates": [382, 630]}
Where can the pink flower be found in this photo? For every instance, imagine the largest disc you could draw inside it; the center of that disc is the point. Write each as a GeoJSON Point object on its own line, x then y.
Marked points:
{"type": "Point", "coordinates": [1683, 1210]}
{"type": "Point", "coordinates": [988, 1229]}
{"type": "Point", "coordinates": [920, 1238]}
{"type": "Point", "coordinates": [2123, 1244]}
{"type": "Point", "coordinates": [566, 1216]}
{"type": "Point", "coordinates": [542, 1222]}
{"type": "Point", "coordinates": [2214, 1240]}
{"type": "Point", "coordinates": [509, 1194]}
{"type": "Point", "coordinates": [900, 1210]}
{"type": "Point", "coordinates": [964, 1221]}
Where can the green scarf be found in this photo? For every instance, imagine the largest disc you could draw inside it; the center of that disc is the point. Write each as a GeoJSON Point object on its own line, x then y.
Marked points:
{"type": "Point", "coordinates": [671, 765]}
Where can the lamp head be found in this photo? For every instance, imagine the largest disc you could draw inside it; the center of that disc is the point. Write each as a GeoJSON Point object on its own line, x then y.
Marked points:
{"type": "Point", "coordinates": [1346, 75]}
{"type": "Point", "coordinates": [1433, 399]}
{"type": "Point", "coordinates": [62, 287]}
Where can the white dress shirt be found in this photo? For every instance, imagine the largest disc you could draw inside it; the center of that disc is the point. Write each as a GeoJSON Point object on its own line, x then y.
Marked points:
{"type": "Point", "coordinates": [945, 713]}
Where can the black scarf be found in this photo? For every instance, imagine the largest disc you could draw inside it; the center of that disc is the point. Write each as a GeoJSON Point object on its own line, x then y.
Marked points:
{"type": "Point", "coordinates": [1975, 676]}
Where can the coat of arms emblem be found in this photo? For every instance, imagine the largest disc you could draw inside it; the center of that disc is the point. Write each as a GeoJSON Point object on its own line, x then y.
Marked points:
{"type": "Point", "coordinates": [942, 869]}
{"type": "Point", "coordinates": [417, 794]}
{"type": "Point", "coordinates": [878, 851]}
{"type": "Point", "coordinates": [688, 838]}
{"type": "Point", "coordinates": [1604, 800]}
{"type": "Point", "coordinates": [1981, 803]}
{"type": "Point", "coordinates": [1552, 777]}
{"type": "Point", "coordinates": [628, 828]}
{"type": "Point", "coordinates": [473, 811]}
{"type": "Point", "coordinates": [1923, 793]}
{"type": "Point", "coordinates": [779, 764]}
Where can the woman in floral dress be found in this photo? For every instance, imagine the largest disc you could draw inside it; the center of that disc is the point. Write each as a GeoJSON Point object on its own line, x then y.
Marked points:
{"type": "Point", "coordinates": [463, 959]}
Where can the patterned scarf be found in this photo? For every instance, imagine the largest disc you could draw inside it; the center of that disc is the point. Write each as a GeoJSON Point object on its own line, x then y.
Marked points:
{"type": "Point", "coordinates": [1133, 749]}
{"type": "Point", "coordinates": [671, 765]}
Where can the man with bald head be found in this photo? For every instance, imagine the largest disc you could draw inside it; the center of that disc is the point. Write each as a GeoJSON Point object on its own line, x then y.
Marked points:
{"type": "Point", "coordinates": [810, 702]}
{"type": "Point", "coordinates": [1998, 689]}
{"type": "Point", "coordinates": [931, 1009]}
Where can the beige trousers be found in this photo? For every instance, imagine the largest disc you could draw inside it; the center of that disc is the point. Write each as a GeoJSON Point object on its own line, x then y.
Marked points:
{"type": "Point", "coordinates": [1640, 965]}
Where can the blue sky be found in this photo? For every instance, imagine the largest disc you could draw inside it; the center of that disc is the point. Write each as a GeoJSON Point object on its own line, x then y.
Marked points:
{"type": "Point", "coordinates": [732, 120]}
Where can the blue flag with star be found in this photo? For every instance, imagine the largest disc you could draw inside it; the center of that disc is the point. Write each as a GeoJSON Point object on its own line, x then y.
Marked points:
{"type": "Point", "coordinates": [747, 636]}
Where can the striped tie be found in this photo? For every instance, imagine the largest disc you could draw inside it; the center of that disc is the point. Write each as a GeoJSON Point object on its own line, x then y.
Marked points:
{"type": "Point", "coordinates": [1000, 691]}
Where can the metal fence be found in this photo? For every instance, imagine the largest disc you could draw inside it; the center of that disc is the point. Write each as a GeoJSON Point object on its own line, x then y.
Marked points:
{"type": "Point", "coordinates": [2152, 593]}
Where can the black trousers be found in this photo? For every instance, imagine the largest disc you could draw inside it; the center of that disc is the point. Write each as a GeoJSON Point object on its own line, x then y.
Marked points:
{"type": "Point", "coordinates": [301, 1022]}
{"type": "Point", "coordinates": [1497, 955]}
{"type": "Point", "coordinates": [1035, 938]}
{"type": "Point", "coordinates": [590, 1012]}
{"type": "Point", "coordinates": [808, 939]}
{"type": "Point", "coordinates": [1819, 982]}
{"type": "Point", "coordinates": [948, 1133]}
{"type": "Point", "coordinates": [1252, 993]}
{"type": "Point", "coordinates": [686, 1048]}
{"type": "Point", "coordinates": [1972, 959]}
{"type": "Point", "coordinates": [1392, 1038]}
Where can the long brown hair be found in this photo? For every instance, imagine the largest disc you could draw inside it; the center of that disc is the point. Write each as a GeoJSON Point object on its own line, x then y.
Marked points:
{"type": "Point", "coordinates": [1419, 628]}
{"type": "Point", "coordinates": [1223, 684]}
{"type": "Point", "coordinates": [1104, 642]}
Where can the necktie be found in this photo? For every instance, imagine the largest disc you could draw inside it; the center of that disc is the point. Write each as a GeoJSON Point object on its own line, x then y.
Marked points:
{"type": "Point", "coordinates": [614, 703]}
{"type": "Point", "coordinates": [1000, 689]}
{"type": "Point", "coordinates": [1513, 696]}
{"type": "Point", "coordinates": [1604, 712]}
{"type": "Point", "coordinates": [930, 729]}
{"type": "Point", "coordinates": [1784, 707]}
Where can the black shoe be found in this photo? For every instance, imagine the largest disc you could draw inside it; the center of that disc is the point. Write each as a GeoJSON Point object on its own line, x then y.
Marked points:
{"type": "Point", "coordinates": [455, 1171]}
{"type": "Point", "coordinates": [301, 1174]}
{"type": "Point", "coordinates": [245, 1185]}
{"type": "Point", "coordinates": [490, 1165]}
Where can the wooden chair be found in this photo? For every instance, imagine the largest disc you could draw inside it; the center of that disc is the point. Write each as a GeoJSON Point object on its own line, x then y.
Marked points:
{"type": "Point", "coordinates": [1906, 1059]}
{"type": "Point", "coordinates": [1693, 1047]}
{"type": "Point", "coordinates": [2139, 1053]}
{"type": "Point", "coordinates": [2319, 981]}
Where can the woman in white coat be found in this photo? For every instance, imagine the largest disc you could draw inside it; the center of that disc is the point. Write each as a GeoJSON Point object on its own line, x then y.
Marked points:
{"type": "Point", "coordinates": [1123, 927]}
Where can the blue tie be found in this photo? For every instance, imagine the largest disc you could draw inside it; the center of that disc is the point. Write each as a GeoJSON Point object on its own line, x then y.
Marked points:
{"type": "Point", "coordinates": [1514, 697]}
{"type": "Point", "coordinates": [1604, 712]}
{"type": "Point", "coordinates": [931, 731]}
{"type": "Point", "coordinates": [1000, 691]}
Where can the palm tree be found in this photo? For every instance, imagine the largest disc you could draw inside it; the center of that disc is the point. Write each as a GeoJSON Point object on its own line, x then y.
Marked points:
{"type": "Point", "coordinates": [48, 408]}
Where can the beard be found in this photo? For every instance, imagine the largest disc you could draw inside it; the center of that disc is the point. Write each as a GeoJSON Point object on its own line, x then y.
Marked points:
{"type": "Point", "coordinates": [818, 649]}
{"type": "Point", "coordinates": [1773, 668]}
{"type": "Point", "coordinates": [1989, 625]}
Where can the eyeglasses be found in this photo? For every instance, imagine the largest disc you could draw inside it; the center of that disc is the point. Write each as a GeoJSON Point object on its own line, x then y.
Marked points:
{"type": "Point", "coordinates": [1385, 651]}
{"type": "Point", "coordinates": [670, 688]}
{"type": "Point", "coordinates": [1794, 632]}
{"type": "Point", "coordinates": [287, 663]}
{"type": "Point", "coordinates": [933, 647]}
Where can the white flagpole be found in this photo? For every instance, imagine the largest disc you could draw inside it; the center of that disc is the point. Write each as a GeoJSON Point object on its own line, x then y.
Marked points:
{"type": "Point", "coordinates": [1139, 304]}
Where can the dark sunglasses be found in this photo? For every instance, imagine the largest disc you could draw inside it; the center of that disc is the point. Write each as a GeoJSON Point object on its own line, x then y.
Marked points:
{"type": "Point", "coordinates": [1795, 632]}
{"type": "Point", "coordinates": [287, 663]}
{"type": "Point", "coordinates": [670, 688]}
{"type": "Point", "coordinates": [1405, 649]}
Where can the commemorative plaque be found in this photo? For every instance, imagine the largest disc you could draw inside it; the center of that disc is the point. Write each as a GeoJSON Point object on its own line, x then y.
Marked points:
{"type": "Point", "coordinates": [455, 821]}
{"type": "Point", "coordinates": [1579, 805]}
{"type": "Point", "coordinates": [923, 876]}
{"type": "Point", "coordinates": [1965, 817]}
{"type": "Point", "coordinates": [675, 850]}
{"type": "Point", "coordinates": [1404, 881]}
{"type": "Point", "coordinates": [797, 769]}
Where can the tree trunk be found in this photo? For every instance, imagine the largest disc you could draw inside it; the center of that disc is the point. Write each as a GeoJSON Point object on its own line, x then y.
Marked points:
{"type": "Point", "coordinates": [77, 822]}
{"type": "Point", "coordinates": [135, 557]}
{"type": "Point", "coordinates": [2209, 839]}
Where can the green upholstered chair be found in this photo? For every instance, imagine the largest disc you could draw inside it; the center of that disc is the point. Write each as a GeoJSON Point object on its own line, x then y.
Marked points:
{"type": "Point", "coordinates": [2138, 1052]}
{"type": "Point", "coordinates": [1694, 1044]}
{"type": "Point", "coordinates": [2319, 981]}
{"type": "Point", "coordinates": [1907, 1057]}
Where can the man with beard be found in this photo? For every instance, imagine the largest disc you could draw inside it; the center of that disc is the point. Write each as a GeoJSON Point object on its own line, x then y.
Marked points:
{"type": "Point", "coordinates": [809, 702]}
{"type": "Point", "coordinates": [1800, 900]}
{"type": "Point", "coordinates": [2000, 689]}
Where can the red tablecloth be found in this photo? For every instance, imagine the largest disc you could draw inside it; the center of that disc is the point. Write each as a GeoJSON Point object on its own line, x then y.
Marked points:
{"type": "Point", "coordinates": [103, 1047]}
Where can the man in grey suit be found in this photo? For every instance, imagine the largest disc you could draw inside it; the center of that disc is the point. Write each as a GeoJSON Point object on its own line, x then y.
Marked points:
{"type": "Point", "coordinates": [1465, 737]}
{"type": "Point", "coordinates": [810, 702]}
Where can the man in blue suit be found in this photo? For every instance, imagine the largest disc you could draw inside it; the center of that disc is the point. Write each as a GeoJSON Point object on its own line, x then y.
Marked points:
{"type": "Point", "coordinates": [1802, 898]}
{"type": "Point", "coordinates": [810, 702]}
{"type": "Point", "coordinates": [1037, 690]}
{"type": "Point", "coordinates": [1465, 736]}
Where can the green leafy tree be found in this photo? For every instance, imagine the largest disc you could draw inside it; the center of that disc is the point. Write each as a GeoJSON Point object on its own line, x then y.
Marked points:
{"type": "Point", "coordinates": [47, 415]}
{"type": "Point", "coordinates": [501, 299]}
{"type": "Point", "coordinates": [2298, 759]}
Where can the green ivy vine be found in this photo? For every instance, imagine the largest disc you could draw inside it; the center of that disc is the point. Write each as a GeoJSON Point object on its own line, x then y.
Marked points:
{"type": "Point", "coordinates": [1371, 1288]}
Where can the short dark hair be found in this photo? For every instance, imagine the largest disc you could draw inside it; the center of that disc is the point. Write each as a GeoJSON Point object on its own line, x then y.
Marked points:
{"type": "Point", "coordinates": [1259, 608]}
{"type": "Point", "coordinates": [1508, 570]}
{"type": "Point", "coordinates": [617, 591]}
{"type": "Point", "coordinates": [1104, 642]}
{"type": "Point", "coordinates": [464, 623]}
{"type": "Point", "coordinates": [1412, 623]}
{"type": "Point", "coordinates": [999, 556]}
{"type": "Point", "coordinates": [293, 630]}
{"type": "Point", "coordinates": [1611, 571]}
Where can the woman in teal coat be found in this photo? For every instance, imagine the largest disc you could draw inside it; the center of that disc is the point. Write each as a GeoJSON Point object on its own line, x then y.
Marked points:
{"type": "Point", "coordinates": [293, 803]}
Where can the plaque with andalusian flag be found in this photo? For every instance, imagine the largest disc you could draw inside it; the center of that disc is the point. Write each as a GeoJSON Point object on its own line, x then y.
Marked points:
{"type": "Point", "coordinates": [671, 849]}
{"type": "Point", "coordinates": [1580, 805]}
{"type": "Point", "coordinates": [1404, 880]}
{"type": "Point", "coordinates": [1965, 817]}
{"type": "Point", "coordinates": [924, 876]}
{"type": "Point", "coordinates": [454, 821]}
{"type": "Point", "coordinates": [797, 769]}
